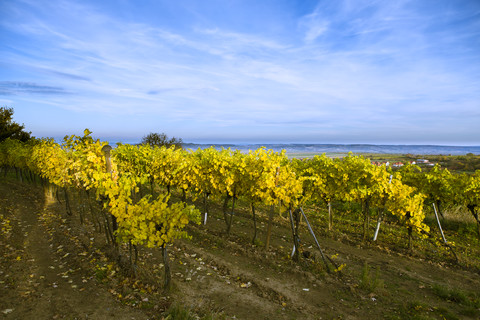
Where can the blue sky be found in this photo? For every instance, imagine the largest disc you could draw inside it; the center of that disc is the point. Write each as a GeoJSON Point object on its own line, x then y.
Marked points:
{"type": "Point", "coordinates": [346, 71]}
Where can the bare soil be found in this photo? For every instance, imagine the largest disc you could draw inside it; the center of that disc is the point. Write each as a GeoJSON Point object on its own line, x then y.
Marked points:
{"type": "Point", "coordinates": [53, 267]}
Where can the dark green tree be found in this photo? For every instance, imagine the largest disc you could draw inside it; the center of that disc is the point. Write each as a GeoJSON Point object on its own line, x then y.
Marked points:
{"type": "Point", "coordinates": [11, 129]}
{"type": "Point", "coordinates": [161, 139]}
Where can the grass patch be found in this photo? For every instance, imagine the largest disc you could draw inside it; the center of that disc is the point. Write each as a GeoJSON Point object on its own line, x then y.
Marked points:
{"type": "Point", "coordinates": [454, 295]}
{"type": "Point", "coordinates": [179, 312]}
{"type": "Point", "coordinates": [370, 282]}
{"type": "Point", "coordinates": [459, 296]}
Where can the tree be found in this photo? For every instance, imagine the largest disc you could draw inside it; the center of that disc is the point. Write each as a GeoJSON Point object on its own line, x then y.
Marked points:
{"type": "Point", "coordinates": [11, 129]}
{"type": "Point", "coordinates": [161, 139]}
{"type": "Point", "coordinates": [467, 191]}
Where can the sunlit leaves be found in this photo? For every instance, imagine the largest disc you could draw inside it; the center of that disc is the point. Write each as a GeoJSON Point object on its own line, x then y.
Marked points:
{"type": "Point", "coordinates": [261, 176]}
{"type": "Point", "coordinates": [153, 223]}
{"type": "Point", "coordinates": [355, 179]}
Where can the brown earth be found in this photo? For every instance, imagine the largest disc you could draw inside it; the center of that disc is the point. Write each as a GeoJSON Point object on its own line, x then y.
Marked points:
{"type": "Point", "coordinates": [39, 280]}
{"type": "Point", "coordinates": [53, 267]}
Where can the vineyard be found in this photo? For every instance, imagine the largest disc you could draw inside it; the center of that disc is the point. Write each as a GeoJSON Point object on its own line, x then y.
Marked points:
{"type": "Point", "coordinates": [218, 233]}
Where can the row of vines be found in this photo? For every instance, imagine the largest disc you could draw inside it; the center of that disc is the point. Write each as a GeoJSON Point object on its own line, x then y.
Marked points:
{"type": "Point", "coordinates": [137, 186]}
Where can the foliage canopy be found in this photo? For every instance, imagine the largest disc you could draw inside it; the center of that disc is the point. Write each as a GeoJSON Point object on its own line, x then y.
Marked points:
{"type": "Point", "coordinates": [11, 129]}
{"type": "Point", "coordinates": [161, 139]}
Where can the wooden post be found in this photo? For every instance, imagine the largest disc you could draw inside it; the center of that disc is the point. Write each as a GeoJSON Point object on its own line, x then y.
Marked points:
{"type": "Point", "coordinates": [106, 152]}
{"type": "Point", "coordinates": [108, 162]}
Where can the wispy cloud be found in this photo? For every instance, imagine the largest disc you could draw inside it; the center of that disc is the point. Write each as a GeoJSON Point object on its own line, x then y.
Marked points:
{"type": "Point", "coordinates": [313, 25]}
{"type": "Point", "coordinates": [352, 65]}
{"type": "Point", "coordinates": [69, 75]}
{"type": "Point", "coordinates": [19, 88]}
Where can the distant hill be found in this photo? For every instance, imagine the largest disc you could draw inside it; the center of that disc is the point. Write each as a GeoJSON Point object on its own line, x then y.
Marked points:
{"type": "Point", "coordinates": [345, 148]}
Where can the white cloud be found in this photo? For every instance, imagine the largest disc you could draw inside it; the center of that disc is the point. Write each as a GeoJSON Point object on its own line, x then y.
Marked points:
{"type": "Point", "coordinates": [313, 25]}
{"type": "Point", "coordinates": [342, 68]}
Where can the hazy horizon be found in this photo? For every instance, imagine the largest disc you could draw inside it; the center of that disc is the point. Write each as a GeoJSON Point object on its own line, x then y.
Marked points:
{"type": "Point", "coordinates": [114, 140]}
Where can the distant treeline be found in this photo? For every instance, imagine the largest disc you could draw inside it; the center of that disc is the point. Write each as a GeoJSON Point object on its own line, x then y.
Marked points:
{"type": "Point", "coordinates": [467, 163]}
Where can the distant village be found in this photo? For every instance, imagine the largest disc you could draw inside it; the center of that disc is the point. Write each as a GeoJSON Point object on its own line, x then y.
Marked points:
{"type": "Point", "coordinates": [401, 164]}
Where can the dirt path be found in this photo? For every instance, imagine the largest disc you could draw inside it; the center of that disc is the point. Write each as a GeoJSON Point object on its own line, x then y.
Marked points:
{"type": "Point", "coordinates": [268, 284]}
{"type": "Point", "coordinates": [46, 272]}
{"type": "Point", "coordinates": [38, 278]}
